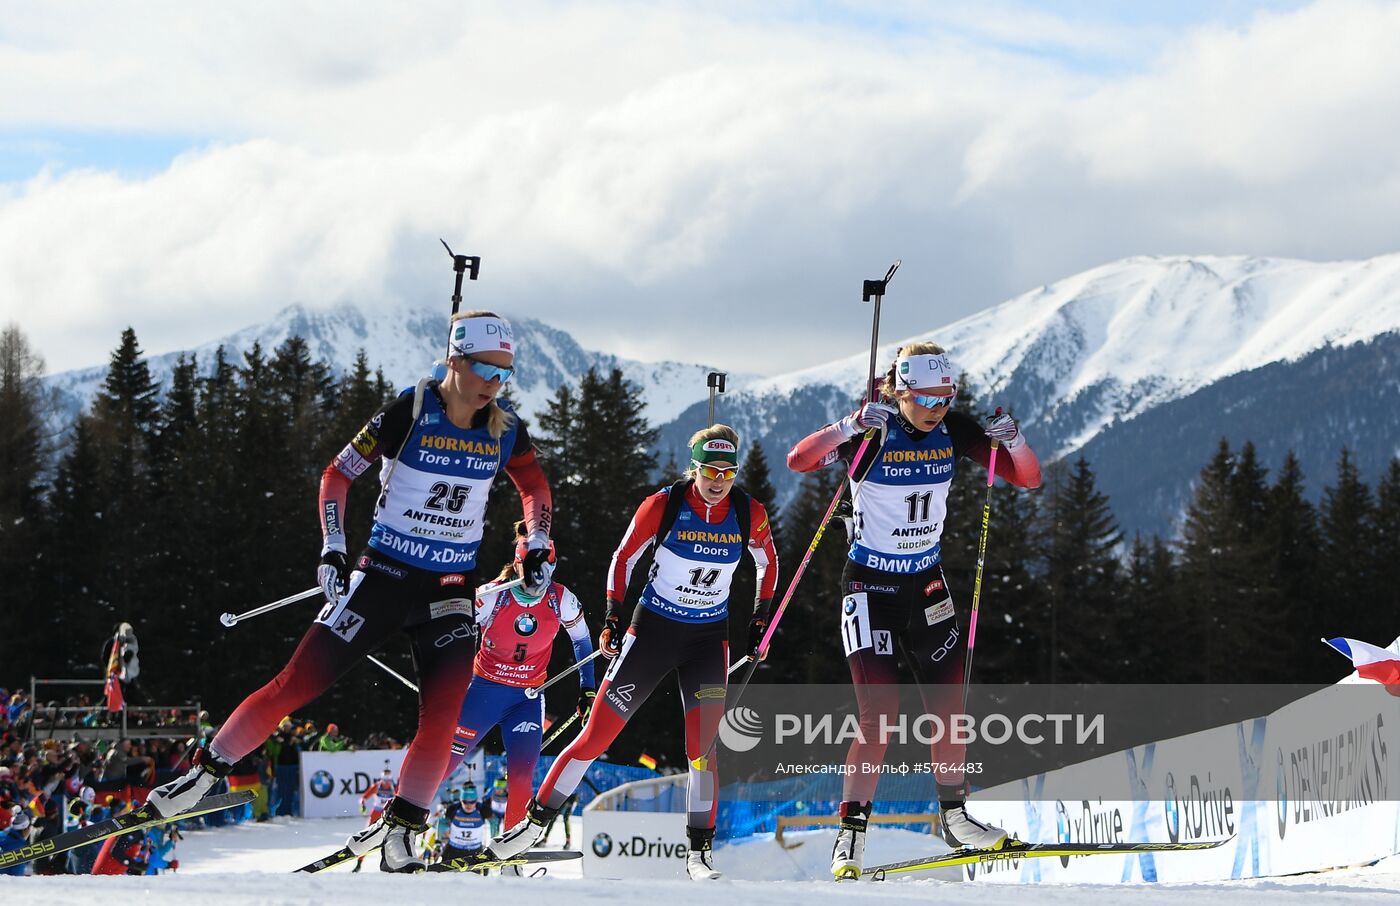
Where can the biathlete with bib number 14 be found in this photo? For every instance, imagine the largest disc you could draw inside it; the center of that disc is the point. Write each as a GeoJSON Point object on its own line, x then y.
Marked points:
{"type": "Point", "coordinates": [440, 446]}
{"type": "Point", "coordinates": [700, 528]}
{"type": "Point", "coordinates": [894, 594]}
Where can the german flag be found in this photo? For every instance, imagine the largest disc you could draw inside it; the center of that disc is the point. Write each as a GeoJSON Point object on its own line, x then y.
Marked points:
{"type": "Point", "coordinates": [113, 691]}
{"type": "Point", "coordinates": [646, 761]}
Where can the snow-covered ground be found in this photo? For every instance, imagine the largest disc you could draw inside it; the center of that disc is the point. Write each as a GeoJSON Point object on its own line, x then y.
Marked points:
{"type": "Point", "coordinates": [251, 863]}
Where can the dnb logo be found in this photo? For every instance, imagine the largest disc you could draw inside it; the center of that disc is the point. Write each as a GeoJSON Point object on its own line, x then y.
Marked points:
{"type": "Point", "coordinates": [602, 846]}
{"type": "Point", "coordinates": [321, 784]}
{"type": "Point", "coordinates": [526, 624]}
{"type": "Point", "coordinates": [741, 729]}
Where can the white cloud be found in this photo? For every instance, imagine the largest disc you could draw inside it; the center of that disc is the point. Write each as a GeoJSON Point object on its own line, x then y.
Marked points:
{"type": "Point", "coordinates": [710, 185]}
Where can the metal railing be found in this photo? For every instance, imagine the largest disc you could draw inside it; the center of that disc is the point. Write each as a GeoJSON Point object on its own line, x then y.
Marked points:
{"type": "Point", "coordinates": [96, 722]}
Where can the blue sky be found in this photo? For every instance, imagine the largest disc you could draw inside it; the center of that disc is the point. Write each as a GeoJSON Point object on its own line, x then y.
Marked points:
{"type": "Point", "coordinates": [620, 165]}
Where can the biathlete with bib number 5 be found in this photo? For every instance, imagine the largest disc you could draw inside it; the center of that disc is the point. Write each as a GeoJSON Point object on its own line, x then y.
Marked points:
{"type": "Point", "coordinates": [893, 588]}
{"type": "Point", "coordinates": [517, 627]}
{"type": "Point", "coordinates": [440, 445]}
{"type": "Point", "coordinates": [700, 527]}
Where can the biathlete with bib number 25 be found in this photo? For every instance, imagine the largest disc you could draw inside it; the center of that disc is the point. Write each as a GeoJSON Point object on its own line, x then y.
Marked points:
{"type": "Point", "coordinates": [517, 637]}
{"type": "Point", "coordinates": [440, 446]}
{"type": "Point", "coordinates": [894, 594]}
{"type": "Point", "coordinates": [700, 527]}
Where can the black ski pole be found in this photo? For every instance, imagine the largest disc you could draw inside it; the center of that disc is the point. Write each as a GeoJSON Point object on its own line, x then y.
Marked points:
{"type": "Point", "coordinates": [873, 289]}
{"type": "Point", "coordinates": [715, 381]}
{"type": "Point", "coordinates": [463, 265]}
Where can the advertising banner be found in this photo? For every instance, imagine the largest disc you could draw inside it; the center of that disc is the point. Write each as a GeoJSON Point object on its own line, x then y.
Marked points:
{"type": "Point", "coordinates": [333, 782]}
{"type": "Point", "coordinates": [633, 844]}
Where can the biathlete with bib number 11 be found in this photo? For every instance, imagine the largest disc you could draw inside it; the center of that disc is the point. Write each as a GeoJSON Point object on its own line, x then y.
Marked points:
{"type": "Point", "coordinates": [893, 588]}
{"type": "Point", "coordinates": [440, 446]}
{"type": "Point", "coordinates": [700, 528]}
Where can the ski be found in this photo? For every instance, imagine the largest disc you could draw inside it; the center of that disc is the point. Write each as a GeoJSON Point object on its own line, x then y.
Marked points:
{"type": "Point", "coordinates": [525, 858]}
{"type": "Point", "coordinates": [343, 855]}
{"type": "Point", "coordinates": [1015, 849]}
{"type": "Point", "coordinates": [338, 857]}
{"type": "Point", "coordinates": [142, 818]}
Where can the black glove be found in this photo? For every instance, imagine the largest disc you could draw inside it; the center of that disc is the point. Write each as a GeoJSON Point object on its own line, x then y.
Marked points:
{"type": "Point", "coordinates": [610, 639]}
{"type": "Point", "coordinates": [333, 574]}
{"type": "Point", "coordinates": [585, 703]}
{"type": "Point", "coordinates": [758, 626]}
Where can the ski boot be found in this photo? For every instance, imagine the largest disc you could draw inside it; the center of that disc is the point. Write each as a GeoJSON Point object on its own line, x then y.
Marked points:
{"type": "Point", "coordinates": [698, 863]}
{"type": "Point", "coordinates": [848, 855]}
{"type": "Point", "coordinates": [526, 834]}
{"type": "Point", "coordinates": [184, 792]}
{"type": "Point", "coordinates": [403, 822]}
{"type": "Point", "coordinates": [961, 830]}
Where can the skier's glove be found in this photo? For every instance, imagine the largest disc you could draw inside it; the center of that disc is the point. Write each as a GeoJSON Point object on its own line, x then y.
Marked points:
{"type": "Point", "coordinates": [333, 575]}
{"type": "Point", "coordinates": [537, 566]}
{"type": "Point", "coordinates": [870, 415]}
{"type": "Point", "coordinates": [1002, 429]}
{"type": "Point", "coordinates": [610, 639]}
{"type": "Point", "coordinates": [585, 703]}
{"type": "Point", "coordinates": [758, 626]}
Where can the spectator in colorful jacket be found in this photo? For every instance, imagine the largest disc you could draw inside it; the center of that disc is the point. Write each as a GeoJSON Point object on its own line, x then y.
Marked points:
{"type": "Point", "coordinates": [332, 741]}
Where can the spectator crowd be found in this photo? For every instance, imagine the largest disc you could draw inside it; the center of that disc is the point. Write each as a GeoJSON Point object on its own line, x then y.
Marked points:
{"type": "Point", "coordinates": [54, 780]}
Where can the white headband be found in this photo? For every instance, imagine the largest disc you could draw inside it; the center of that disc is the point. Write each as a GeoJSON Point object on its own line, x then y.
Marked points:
{"type": "Point", "coordinates": [471, 336]}
{"type": "Point", "coordinates": [919, 372]}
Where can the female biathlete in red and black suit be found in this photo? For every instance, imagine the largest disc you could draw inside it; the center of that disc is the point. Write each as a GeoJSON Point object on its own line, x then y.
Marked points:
{"type": "Point", "coordinates": [517, 630]}
{"type": "Point", "coordinates": [700, 528]}
{"type": "Point", "coordinates": [893, 586]}
{"type": "Point", "coordinates": [440, 447]}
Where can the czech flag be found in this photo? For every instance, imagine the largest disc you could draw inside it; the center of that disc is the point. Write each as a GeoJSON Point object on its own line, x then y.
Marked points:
{"type": "Point", "coordinates": [646, 761]}
{"type": "Point", "coordinates": [1380, 665]}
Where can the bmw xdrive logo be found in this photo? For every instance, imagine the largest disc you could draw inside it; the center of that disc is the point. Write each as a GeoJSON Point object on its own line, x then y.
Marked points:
{"type": "Point", "coordinates": [321, 784]}
{"type": "Point", "coordinates": [1169, 804]}
{"type": "Point", "coordinates": [525, 624]}
{"type": "Point", "coordinates": [602, 846]}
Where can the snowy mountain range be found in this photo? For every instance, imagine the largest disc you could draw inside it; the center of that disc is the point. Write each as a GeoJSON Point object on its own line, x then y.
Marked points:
{"type": "Point", "coordinates": [1141, 364]}
{"type": "Point", "coordinates": [404, 344]}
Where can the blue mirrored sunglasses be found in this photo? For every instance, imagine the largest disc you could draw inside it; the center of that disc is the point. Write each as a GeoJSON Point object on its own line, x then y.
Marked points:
{"type": "Point", "coordinates": [933, 402]}
{"type": "Point", "coordinates": [490, 372]}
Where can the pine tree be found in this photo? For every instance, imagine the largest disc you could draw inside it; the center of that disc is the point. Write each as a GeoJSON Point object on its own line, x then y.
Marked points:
{"type": "Point", "coordinates": [595, 445]}
{"type": "Point", "coordinates": [806, 647]}
{"type": "Point", "coordinates": [1148, 602]}
{"type": "Point", "coordinates": [755, 479]}
{"type": "Point", "coordinates": [1348, 539]}
{"type": "Point", "coordinates": [1290, 539]}
{"type": "Point", "coordinates": [1226, 597]}
{"type": "Point", "coordinates": [1385, 550]}
{"type": "Point", "coordinates": [1079, 540]}
{"type": "Point", "coordinates": [1011, 627]}
{"type": "Point", "coordinates": [78, 521]}
{"type": "Point", "coordinates": [124, 425]}
{"type": "Point", "coordinates": [24, 454]}
{"type": "Point", "coordinates": [1206, 574]}
{"type": "Point", "coordinates": [173, 620]}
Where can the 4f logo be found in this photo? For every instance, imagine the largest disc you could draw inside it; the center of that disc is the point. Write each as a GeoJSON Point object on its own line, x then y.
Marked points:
{"type": "Point", "coordinates": [524, 726]}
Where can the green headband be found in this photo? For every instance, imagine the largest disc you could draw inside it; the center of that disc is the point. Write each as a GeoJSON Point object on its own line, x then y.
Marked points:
{"type": "Point", "coordinates": [716, 449]}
